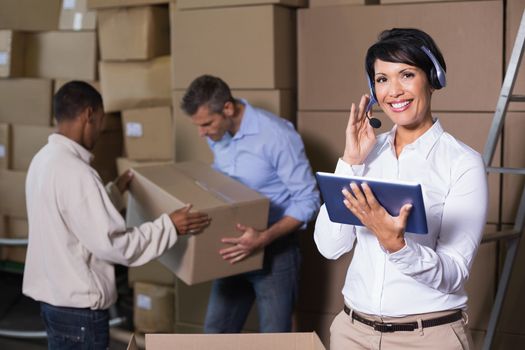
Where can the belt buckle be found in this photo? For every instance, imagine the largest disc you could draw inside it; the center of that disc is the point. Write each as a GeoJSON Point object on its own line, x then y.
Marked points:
{"type": "Point", "coordinates": [384, 327]}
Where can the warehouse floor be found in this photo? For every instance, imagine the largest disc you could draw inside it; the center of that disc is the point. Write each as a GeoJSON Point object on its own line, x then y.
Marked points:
{"type": "Point", "coordinates": [18, 312]}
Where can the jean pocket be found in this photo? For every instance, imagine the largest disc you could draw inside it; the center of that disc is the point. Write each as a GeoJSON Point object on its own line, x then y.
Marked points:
{"type": "Point", "coordinates": [66, 332]}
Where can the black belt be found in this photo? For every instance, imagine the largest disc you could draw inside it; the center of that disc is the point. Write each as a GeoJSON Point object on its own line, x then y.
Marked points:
{"type": "Point", "coordinates": [387, 327]}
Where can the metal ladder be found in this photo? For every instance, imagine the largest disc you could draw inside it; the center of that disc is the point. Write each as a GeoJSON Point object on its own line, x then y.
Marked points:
{"type": "Point", "coordinates": [511, 237]}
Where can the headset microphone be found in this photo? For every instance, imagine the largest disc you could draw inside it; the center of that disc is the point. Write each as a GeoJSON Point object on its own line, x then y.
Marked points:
{"type": "Point", "coordinates": [374, 122]}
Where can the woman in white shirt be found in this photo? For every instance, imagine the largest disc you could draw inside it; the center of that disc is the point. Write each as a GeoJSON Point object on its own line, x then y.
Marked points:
{"type": "Point", "coordinates": [405, 290]}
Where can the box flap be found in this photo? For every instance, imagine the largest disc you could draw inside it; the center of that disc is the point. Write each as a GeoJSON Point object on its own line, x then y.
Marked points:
{"type": "Point", "coordinates": [132, 345]}
{"type": "Point", "coordinates": [255, 341]}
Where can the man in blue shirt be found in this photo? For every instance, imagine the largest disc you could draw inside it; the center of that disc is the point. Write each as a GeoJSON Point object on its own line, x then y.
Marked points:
{"type": "Point", "coordinates": [264, 152]}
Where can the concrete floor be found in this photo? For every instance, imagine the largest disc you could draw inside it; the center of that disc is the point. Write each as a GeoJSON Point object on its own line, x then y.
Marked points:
{"type": "Point", "coordinates": [18, 312]}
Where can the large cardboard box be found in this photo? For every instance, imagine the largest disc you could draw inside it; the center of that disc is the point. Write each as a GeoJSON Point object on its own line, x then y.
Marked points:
{"type": "Point", "coordinates": [128, 85]}
{"type": "Point", "coordinates": [332, 46]}
{"type": "Point", "coordinates": [108, 148]}
{"type": "Point", "coordinates": [153, 309]}
{"type": "Point", "coordinates": [74, 15]}
{"type": "Point", "coordinates": [134, 33]}
{"type": "Point", "coordinates": [319, 3]}
{"type": "Point", "coordinates": [12, 190]}
{"type": "Point", "coordinates": [148, 133]}
{"type": "Point", "coordinates": [514, 13]}
{"type": "Point", "coordinates": [153, 272]}
{"type": "Point", "coordinates": [124, 164]}
{"type": "Point", "coordinates": [274, 341]}
{"type": "Point", "coordinates": [258, 54]}
{"type": "Point", "coordinates": [164, 188]}
{"type": "Point", "coordinates": [67, 55]}
{"type": "Point", "coordinates": [26, 101]}
{"type": "Point", "coordinates": [27, 140]}
{"type": "Point", "coordinates": [30, 15]}
{"type": "Point", "coordinates": [12, 51]}
{"type": "Point", "coordinates": [190, 146]}
{"type": "Point", "coordinates": [5, 146]}
{"type": "Point", "coordinates": [199, 4]}
{"type": "Point", "coordinates": [100, 4]}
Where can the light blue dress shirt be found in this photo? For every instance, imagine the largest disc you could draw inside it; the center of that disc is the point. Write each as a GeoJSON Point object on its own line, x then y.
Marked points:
{"type": "Point", "coordinates": [267, 155]}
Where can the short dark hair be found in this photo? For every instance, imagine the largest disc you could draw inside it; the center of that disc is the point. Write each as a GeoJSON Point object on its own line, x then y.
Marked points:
{"type": "Point", "coordinates": [403, 45]}
{"type": "Point", "coordinates": [209, 91]}
{"type": "Point", "coordinates": [74, 97]}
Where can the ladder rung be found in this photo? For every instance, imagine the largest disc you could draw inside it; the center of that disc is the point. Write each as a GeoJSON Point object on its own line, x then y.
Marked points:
{"type": "Point", "coordinates": [517, 98]}
{"type": "Point", "coordinates": [502, 170]}
{"type": "Point", "coordinates": [13, 241]}
{"type": "Point", "coordinates": [496, 236]}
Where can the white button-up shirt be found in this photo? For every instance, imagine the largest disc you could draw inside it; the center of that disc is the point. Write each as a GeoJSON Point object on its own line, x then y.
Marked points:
{"type": "Point", "coordinates": [429, 273]}
{"type": "Point", "coordinates": [75, 232]}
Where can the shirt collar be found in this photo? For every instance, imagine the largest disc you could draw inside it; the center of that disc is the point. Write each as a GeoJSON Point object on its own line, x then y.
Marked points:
{"type": "Point", "coordinates": [249, 124]}
{"type": "Point", "coordinates": [72, 146]}
{"type": "Point", "coordinates": [422, 144]}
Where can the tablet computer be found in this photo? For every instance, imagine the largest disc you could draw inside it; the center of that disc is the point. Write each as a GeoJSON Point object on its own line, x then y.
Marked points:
{"type": "Point", "coordinates": [391, 194]}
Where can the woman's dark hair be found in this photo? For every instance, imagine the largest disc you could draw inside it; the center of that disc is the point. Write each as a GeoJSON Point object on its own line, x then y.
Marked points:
{"type": "Point", "coordinates": [209, 91]}
{"type": "Point", "coordinates": [404, 45]}
{"type": "Point", "coordinates": [73, 98]}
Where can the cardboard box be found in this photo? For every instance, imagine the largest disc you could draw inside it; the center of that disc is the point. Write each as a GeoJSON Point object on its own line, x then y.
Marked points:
{"type": "Point", "coordinates": [258, 54]}
{"type": "Point", "coordinates": [265, 341]}
{"type": "Point", "coordinates": [27, 140]}
{"type": "Point", "coordinates": [102, 4]}
{"type": "Point", "coordinates": [26, 101]}
{"type": "Point", "coordinates": [153, 308]}
{"type": "Point", "coordinates": [16, 228]}
{"type": "Point", "coordinates": [190, 146]}
{"type": "Point", "coordinates": [74, 15]}
{"type": "Point", "coordinates": [106, 151]}
{"type": "Point", "coordinates": [514, 12]}
{"type": "Point", "coordinates": [12, 188]}
{"type": "Point", "coordinates": [32, 15]}
{"type": "Point", "coordinates": [134, 33]}
{"type": "Point", "coordinates": [148, 133]}
{"type": "Point", "coordinates": [153, 272]}
{"type": "Point", "coordinates": [128, 85]}
{"type": "Point", "coordinates": [5, 146]}
{"type": "Point", "coordinates": [332, 46]}
{"type": "Point", "coordinates": [199, 4]}
{"type": "Point", "coordinates": [322, 3]}
{"type": "Point", "coordinates": [67, 55]}
{"type": "Point", "coordinates": [12, 51]}
{"type": "Point", "coordinates": [124, 164]}
{"type": "Point", "coordinates": [318, 322]}
{"type": "Point", "coordinates": [165, 188]}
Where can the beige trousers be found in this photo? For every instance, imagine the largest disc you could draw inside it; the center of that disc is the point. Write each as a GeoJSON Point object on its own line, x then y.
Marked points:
{"type": "Point", "coordinates": [348, 334]}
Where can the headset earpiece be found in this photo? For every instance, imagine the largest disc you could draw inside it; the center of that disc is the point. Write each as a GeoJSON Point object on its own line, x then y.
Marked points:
{"type": "Point", "coordinates": [438, 78]}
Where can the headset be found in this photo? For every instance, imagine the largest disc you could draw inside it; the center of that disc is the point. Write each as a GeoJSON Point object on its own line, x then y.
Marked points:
{"type": "Point", "coordinates": [437, 80]}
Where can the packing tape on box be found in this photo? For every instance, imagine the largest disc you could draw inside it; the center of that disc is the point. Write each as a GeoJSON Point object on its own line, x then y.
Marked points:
{"type": "Point", "coordinates": [4, 57]}
{"type": "Point", "coordinates": [144, 302]}
{"type": "Point", "coordinates": [134, 129]}
{"type": "Point", "coordinates": [69, 4]}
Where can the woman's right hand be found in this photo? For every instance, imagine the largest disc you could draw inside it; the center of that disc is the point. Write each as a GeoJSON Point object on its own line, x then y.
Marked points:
{"type": "Point", "coordinates": [189, 223]}
{"type": "Point", "coordinates": [360, 136]}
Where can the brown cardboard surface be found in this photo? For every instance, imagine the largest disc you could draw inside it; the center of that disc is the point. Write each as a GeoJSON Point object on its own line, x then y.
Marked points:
{"type": "Point", "coordinates": [12, 51]}
{"type": "Point", "coordinates": [124, 164]}
{"type": "Point", "coordinates": [32, 15]}
{"type": "Point", "coordinates": [5, 146]}
{"type": "Point", "coordinates": [67, 55]}
{"type": "Point", "coordinates": [153, 272]}
{"type": "Point", "coordinates": [148, 133]}
{"type": "Point", "coordinates": [153, 308]}
{"type": "Point", "coordinates": [99, 4]}
{"type": "Point", "coordinates": [322, 3]}
{"type": "Point", "coordinates": [190, 146]}
{"type": "Point", "coordinates": [332, 46]}
{"type": "Point", "coordinates": [12, 188]}
{"type": "Point", "coordinates": [315, 322]}
{"type": "Point", "coordinates": [16, 228]}
{"type": "Point", "coordinates": [274, 341]}
{"type": "Point", "coordinates": [74, 15]}
{"type": "Point", "coordinates": [128, 85]}
{"type": "Point", "coordinates": [198, 4]}
{"type": "Point", "coordinates": [134, 33]}
{"type": "Point", "coordinates": [513, 157]}
{"type": "Point", "coordinates": [267, 62]}
{"type": "Point", "coordinates": [164, 188]}
{"type": "Point", "coordinates": [387, 2]}
{"type": "Point", "coordinates": [26, 101]}
{"type": "Point", "coordinates": [27, 140]}
{"type": "Point", "coordinates": [106, 151]}
{"type": "Point", "coordinates": [514, 13]}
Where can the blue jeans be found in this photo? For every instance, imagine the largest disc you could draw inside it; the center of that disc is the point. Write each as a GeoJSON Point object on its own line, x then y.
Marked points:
{"type": "Point", "coordinates": [72, 328]}
{"type": "Point", "coordinates": [274, 288]}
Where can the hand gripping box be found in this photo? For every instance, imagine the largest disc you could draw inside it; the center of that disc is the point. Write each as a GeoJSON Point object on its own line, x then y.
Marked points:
{"type": "Point", "coordinates": [165, 188]}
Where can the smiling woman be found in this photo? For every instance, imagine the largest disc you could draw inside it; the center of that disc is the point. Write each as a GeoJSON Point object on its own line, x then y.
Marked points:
{"type": "Point", "coordinates": [405, 290]}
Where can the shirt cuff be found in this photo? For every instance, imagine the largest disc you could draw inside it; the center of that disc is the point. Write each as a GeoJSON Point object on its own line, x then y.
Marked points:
{"type": "Point", "coordinates": [405, 256]}
{"type": "Point", "coordinates": [343, 168]}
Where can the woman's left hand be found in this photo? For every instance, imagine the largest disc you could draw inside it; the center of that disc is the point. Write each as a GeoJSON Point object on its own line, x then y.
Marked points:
{"type": "Point", "coordinates": [389, 230]}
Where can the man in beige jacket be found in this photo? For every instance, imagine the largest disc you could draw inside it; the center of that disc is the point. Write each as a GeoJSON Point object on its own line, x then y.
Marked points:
{"type": "Point", "coordinates": [76, 232]}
